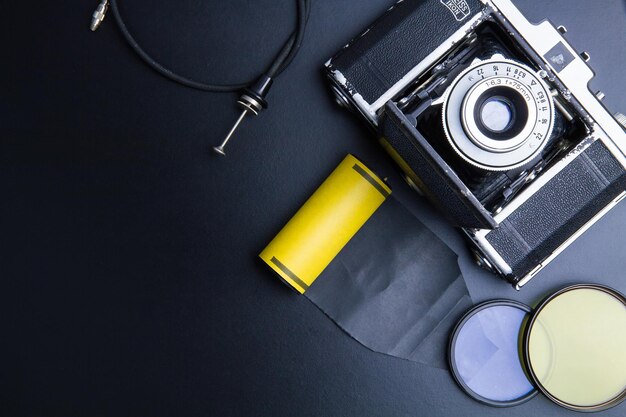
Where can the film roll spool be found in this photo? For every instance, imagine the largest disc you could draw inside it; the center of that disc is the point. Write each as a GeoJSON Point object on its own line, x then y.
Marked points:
{"type": "Point", "coordinates": [575, 347]}
{"type": "Point", "coordinates": [325, 223]}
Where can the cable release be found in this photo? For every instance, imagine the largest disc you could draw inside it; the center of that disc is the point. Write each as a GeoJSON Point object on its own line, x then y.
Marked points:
{"type": "Point", "coordinates": [252, 98]}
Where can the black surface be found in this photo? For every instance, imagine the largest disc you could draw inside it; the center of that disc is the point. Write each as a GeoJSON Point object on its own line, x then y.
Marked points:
{"type": "Point", "coordinates": [128, 252]}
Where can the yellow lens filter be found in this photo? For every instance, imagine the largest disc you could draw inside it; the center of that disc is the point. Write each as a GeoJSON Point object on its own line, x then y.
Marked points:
{"type": "Point", "coordinates": [575, 347]}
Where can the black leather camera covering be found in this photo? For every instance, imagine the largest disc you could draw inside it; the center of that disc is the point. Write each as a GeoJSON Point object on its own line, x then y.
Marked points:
{"type": "Point", "coordinates": [445, 189]}
{"type": "Point", "coordinates": [400, 40]}
{"type": "Point", "coordinates": [560, 208]}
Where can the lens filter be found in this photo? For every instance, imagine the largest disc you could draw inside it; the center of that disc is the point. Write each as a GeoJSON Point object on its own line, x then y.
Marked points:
{"type": "Point", "coordinates": [484, 354]}
{"type": "Point", "coordinates": [575, 347]}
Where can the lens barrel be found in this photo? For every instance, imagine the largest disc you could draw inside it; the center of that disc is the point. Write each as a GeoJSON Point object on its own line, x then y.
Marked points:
{"type": "Point", "coordinates": [498, 115]}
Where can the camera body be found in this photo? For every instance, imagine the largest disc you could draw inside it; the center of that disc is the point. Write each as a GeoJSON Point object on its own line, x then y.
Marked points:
{"type": "Point", "coordinates": [491, 118]}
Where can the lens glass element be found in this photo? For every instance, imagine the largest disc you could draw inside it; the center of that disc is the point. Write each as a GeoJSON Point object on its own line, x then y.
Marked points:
{"type": "Point", "coordinates": [496, 114]}
{"type": "Point", "coordinates": [500, 114]}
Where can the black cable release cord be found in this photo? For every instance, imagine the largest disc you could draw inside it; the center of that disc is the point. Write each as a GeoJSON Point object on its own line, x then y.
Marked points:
{"type": "Point", "coordinates": [253, 93]}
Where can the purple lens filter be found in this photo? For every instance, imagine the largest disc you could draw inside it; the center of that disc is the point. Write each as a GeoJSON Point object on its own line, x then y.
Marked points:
{"type": "Point", "coordinates": [484, 354]}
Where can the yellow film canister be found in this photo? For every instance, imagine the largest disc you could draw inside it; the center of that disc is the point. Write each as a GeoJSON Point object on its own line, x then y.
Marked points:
{"type": "Point", "coordinates": [325, 223]}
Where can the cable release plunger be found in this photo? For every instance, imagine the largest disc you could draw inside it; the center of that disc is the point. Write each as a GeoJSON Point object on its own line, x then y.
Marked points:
{"type": "Point", "coordinates": [252, 100]}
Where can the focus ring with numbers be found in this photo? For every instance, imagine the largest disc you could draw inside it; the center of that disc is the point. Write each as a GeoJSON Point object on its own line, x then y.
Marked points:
{"type": "Point", "coordinates": [498, 115]}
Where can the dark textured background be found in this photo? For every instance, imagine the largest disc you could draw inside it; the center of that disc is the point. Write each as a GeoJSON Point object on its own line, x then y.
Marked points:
{"type": "Point", "coordinates": [129, 279]}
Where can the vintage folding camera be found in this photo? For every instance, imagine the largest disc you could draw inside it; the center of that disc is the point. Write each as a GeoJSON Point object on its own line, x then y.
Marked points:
{"type": "Point", "coordinates": [492, 119]}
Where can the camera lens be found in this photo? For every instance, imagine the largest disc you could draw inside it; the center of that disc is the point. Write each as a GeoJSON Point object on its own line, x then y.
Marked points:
{"type": "Point", "coordinates": [498, 115]}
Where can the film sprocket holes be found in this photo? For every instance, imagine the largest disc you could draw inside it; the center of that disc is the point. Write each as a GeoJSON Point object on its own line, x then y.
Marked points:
{"type": "Point", "coordinates": [489, 116]}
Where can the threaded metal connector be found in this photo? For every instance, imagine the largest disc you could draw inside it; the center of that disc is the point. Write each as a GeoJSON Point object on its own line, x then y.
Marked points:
{"type": "Point", "coordinates": [98, 15]}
